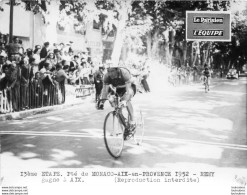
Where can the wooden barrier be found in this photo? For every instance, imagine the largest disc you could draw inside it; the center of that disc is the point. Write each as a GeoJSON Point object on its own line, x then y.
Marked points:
{"type": "Point", "coordinates": [38, 96]}
{"type": "Point", "coordinates": [84, 90]}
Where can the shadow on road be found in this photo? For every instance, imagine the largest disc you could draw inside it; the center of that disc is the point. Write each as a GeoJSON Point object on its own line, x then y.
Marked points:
{"type": "Point", "coordinates": [182, 127]}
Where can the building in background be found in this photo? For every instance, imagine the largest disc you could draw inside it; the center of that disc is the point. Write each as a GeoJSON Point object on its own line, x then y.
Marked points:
{"type": "Point", "coordinates": [31, 29]}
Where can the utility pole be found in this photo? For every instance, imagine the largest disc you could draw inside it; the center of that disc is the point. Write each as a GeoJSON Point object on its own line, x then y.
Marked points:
{"type": "Point", "coordinates": [11, 4]}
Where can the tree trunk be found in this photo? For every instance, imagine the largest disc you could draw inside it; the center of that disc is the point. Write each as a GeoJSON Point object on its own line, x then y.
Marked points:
{"type": "Point", "coordinates": [185, 61]}
{"type": "Point", "coordinates": [207, 56]}
{"type": "Point", "coordinates": [171, 45]}
{"type": "Point", "coordinates": [167, 53]}
{"type": "Point", "coordinates": [149, 44]}
{"type": "Point", "coordinates": [51, 21]}
{"type": "Point", "coordinates": [124, 52]}
{"type": "Point", "coordinates": [155, 44]}
{"type": "Point", "coordinates": [119, 39]}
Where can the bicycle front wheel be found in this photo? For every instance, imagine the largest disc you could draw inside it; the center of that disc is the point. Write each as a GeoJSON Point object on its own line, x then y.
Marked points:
{"type": "Point", "coordinates": [113, 134]}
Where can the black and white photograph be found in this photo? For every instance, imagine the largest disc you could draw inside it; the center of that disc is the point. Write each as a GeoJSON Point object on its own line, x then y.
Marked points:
{"type": "Point", "coordinates": [123, 96]}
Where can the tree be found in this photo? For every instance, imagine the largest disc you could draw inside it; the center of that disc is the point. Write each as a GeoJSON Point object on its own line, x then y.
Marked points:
{"type": "Point", "coordinates": [66, 14]}
{"type": "Point", "coordinates": [1, 9]}
{"type": "Point", "coordinates": [116, 15]}
{"type": "Point", "coordinates": [234, 52]}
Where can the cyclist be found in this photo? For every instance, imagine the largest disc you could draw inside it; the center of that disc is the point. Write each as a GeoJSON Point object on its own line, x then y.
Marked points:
{"type": "Point", "coordinates": [206, 75]}
{"type": "Point", "coordinates": [119, 79]}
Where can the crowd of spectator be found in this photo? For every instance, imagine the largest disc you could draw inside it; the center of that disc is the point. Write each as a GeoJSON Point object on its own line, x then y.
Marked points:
{"type": "Point", "coordinates": [36, 77]}
{"type": "Point", "coordinates": [185, 75]}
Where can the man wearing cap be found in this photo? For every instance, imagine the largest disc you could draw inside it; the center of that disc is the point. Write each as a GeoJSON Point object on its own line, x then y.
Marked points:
{"type": "Point", "coordinates": [119, 79]}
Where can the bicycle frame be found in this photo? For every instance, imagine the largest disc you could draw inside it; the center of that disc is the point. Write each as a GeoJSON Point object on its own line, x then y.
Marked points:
{"type": "Point", "coordinates": [118, 111]}
{"type": "Point", "coordinates": [114, 137]}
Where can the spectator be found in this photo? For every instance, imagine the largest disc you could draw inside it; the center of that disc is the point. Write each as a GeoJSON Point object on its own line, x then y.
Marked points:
{"type": "Point", "coordinates": [57, 56]}
{"type": "Point", "coordinates": [13, 86]}
{"type": "Point", "coordinates": [24, 83]}
{"type": "Point", "coordinates": [2, 52]}
{"type": "Point", "coordinates": [29, 52]}
{"type": "Point", "coordinates": [98, 81]}
{"type": "Point", "coordinates": [74, 63]}
{"type": "Point", "coordinates": [70, 53]}
{"type": "Point", "coordinates": [36, 53]}
{"type": "Point", "coordinates": [32, 84]}
{"type": "Point", "coordinates": [34, 68]}
{"type": "Point", "coordinates": [75, 78]}
{"type": "Point", "coordinates": [46, 74]}
{"type": "Point", "coordinates": [50, 58]}
{"type": "Point", "coordinates": [3, 40]}
{"type": "Point", "coordinates": [14, 49]}
{"type": "Point", "coordinates": [44, 50]}
{"type": "Point", "coordinates": [47, 81]}
{"type": "Point", "coordinates": [37, 95]}
{"type": "Point", "coordinates": [60, 77]}
{"type": "Point", "coordinates": [84, 74]}
{"type": "Point", "coordinates": [60, 47]}
{"type": "Point", "coordinates": [66, 56]}
{"type": "Point", "coordinates": [65, 65]}
{"type": "Point", "coordinates": [3, 79]}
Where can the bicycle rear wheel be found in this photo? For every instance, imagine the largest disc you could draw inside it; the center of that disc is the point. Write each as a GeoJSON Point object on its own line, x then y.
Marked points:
{"type": "Point", "coordinates": [113, 134]}
{"type": "Point", "coordinates": [139, 131]}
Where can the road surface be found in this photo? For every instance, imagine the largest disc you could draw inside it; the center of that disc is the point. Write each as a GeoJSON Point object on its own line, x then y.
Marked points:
{"type": "Point", "coordinates": [183, 127]}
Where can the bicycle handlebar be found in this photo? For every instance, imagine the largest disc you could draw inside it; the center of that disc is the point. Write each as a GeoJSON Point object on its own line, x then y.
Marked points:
{"type": "Point", "coordinates": [117, 104]}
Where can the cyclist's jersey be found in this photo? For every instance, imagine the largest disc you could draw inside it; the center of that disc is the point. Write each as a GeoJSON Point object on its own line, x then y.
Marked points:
{"type": "Point", "coordinates": [206, 73]}
{"type": "Point", "coordinates": [124, 76]}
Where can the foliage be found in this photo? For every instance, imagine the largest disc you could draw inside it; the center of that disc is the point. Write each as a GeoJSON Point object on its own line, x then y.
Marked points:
{"type": "Point", "coordinates": [156, 18]}
{"type": "Point", "coordinates": [236, 49]}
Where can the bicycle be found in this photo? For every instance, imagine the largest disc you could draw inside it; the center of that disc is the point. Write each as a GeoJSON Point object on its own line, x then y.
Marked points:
{"type": "Point", "coordinates": [116, 127]}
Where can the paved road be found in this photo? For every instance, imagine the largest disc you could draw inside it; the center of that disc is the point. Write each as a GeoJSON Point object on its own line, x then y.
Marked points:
{"type": "Point", "coordinates": [183, 127]}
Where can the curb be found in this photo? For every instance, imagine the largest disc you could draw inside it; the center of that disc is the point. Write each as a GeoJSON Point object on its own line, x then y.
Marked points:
{"type": "Point", "coordinates": [23, 114]}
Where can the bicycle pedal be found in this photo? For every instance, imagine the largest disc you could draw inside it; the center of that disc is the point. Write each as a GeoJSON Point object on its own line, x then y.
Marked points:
{"type": "Point", "coordinates": [127, 137]}
{"type": "Point", "coordinates": [129, 134]}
